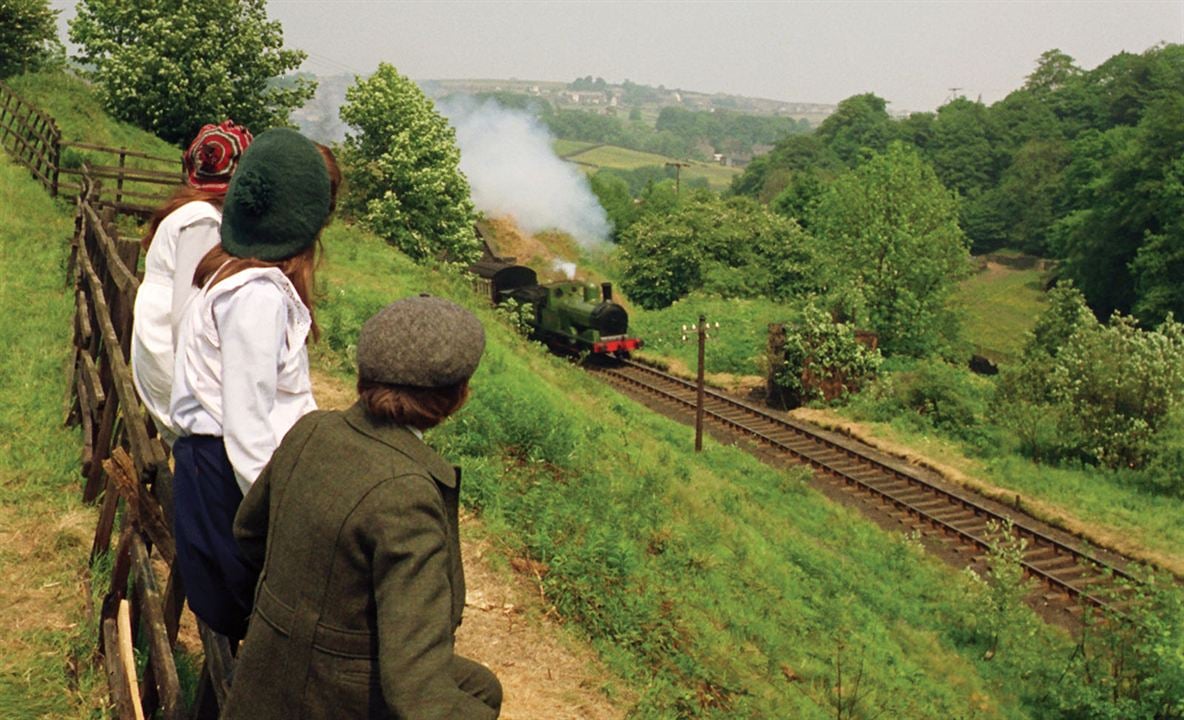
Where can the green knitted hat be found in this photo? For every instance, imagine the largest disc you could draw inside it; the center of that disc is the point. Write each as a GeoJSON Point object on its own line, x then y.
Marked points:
{"type": "Point", "coordinates": [424, 341]}
{"type": "Point", "coordinates": [278, 199]}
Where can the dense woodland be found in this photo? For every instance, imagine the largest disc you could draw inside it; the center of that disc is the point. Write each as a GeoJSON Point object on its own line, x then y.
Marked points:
{"type": "Point", "coordinates": [1081, 166]}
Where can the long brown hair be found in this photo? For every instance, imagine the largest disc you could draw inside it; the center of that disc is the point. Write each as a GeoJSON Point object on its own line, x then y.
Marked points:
{"type": "Point", "coordinates": [299, 269]}
{"type": "Point", "coordinates": [183, 195]}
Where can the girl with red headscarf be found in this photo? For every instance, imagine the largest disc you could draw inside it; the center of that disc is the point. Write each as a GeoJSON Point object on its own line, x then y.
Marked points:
{"type": "Point", "coordinates": [179, 234]}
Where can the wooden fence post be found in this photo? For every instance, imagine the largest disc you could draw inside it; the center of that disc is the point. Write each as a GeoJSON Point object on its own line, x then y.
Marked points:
{"type": "Point", "coordinates": [56, 159]}
{"type": "Point", "coordinates": [119, 180]}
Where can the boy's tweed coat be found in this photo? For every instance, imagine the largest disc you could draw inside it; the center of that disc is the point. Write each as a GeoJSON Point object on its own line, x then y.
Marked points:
{"type": "Point", "coordinates": [354, 524]}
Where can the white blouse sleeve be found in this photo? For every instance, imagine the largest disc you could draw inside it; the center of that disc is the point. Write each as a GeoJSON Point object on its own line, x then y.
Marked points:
{"type": "Point", "coordinates": [252, 326]}
{"type": "Point", "coordinates": [193, 242]}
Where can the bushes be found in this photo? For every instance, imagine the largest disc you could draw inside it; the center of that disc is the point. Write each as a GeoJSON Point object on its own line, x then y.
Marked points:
{"type": "Point", "coordinates": [931, 395]}
{"type": "Point", "coordinates": [824, 359]}
{"type": "Point", "coordinates": [1102, 393]}
{"type": "Point", "coordinates": [733, 248]}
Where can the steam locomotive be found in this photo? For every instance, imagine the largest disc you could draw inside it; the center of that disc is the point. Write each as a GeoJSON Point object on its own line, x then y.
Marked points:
{"type": "Point", "coordinates": [569, 317]}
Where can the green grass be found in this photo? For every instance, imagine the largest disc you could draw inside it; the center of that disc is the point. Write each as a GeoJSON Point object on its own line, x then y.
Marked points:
{"type": "Point", "coordinates": [564, 148]}
{"type": "Point", "coordinates": [81, 118]}
{"type": "Point", "coordinates": [71, 102]}
{"type": "Point", "coordinates": [737, 347]}
{"type": "Point", "coordinates": [45, 531]}
{"type": "Point", "coordinates": [998, 307]}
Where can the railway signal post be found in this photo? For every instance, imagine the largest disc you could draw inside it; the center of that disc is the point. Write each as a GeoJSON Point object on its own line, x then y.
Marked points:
{"type": "Point", "coordinates": [701, 330]}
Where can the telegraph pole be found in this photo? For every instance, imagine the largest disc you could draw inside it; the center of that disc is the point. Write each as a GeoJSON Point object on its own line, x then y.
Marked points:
{"type": "Point", "coordinates": [678, 166]}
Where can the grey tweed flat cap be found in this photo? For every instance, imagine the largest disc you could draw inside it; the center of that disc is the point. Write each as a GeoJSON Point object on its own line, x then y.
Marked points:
{"type": "Point", "coordinates": [422, 341]}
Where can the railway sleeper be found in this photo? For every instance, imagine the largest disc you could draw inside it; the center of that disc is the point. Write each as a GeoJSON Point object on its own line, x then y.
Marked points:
{"type": "Point", "coordinates": [957, 518]}
{"type": "Point", "coordinates": [1088, 580]}
{"type": "Point", "coordinates": [1074, 572]}
{"type": "Point", "coordinates": [893, 486]}
{"type": "Point", "coordinates": [1061, 562]}
{"type": "Point", "coordinates": [830, 457]}
{"type": "Point", "coordinates": [934, 504]}
{"type": "Point", "coordinates": [913, 496]}
{"type": "Point", "coordinates": [1040, 554]}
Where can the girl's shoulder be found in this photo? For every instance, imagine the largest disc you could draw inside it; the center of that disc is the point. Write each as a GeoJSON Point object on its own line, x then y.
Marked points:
{"type": "Point", "coordinates": [192, 212]}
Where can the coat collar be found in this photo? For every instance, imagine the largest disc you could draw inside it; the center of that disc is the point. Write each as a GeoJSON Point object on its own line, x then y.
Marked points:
{"type": "Point", "coordinates": [403, 440]}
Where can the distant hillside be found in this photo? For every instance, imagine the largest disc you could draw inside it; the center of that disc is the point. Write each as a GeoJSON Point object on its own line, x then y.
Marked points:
{"type": "Point", "coordinates": [598, 95]}
{"type": "Point", "coordinates": [319, 119]}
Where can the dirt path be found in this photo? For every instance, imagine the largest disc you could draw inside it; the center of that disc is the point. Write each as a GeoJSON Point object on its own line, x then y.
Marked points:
{"type": "Point", "coordinates": [545, 672]}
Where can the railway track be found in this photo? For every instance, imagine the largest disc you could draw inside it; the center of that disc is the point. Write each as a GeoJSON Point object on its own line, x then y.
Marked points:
{"type": "Point", "coordinates": [1074, 575]}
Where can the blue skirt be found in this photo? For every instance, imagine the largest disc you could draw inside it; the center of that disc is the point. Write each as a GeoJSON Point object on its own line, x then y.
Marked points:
{"type": "Point", "coordinates": [218, 584]}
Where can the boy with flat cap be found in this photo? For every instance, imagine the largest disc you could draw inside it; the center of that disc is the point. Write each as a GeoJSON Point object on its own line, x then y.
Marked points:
{"type": "Point", "coordinates": [353, 525]}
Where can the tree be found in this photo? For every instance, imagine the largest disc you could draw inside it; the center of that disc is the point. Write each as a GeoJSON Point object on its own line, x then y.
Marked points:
{"type": "Point", "coordinates": [732, 248]}
{"type": "Point", "coordinates": [891, 250]}
{"type": "Point", "coordinates": [170, 67]}
{"type": "Point", "coordinates": [1053, 71]}
{"type": "Point", "coordinates": [613, 193]}
{"type": "Point", "coordinates": [963, 148]}
{"type": "Point", "coordinates": [1104, 393]}
{"type": "Point", "coordinates": [402, 165]}
{"type": "Point", "coordinates": [859, 124]}
{"type": "Point", "coordinates": [28, 35]}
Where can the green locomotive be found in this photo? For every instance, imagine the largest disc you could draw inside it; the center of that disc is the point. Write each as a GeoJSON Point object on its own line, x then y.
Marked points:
{"type": "Point", "coordinates": [569, 317]}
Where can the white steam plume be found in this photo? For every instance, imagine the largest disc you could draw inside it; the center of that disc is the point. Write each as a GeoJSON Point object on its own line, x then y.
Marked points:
{"type": "Point", "coordinates": [513, 170]}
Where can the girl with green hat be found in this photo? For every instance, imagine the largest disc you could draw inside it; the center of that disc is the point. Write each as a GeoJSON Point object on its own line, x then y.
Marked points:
{"type": "Point", "coordinates": [241, 376]}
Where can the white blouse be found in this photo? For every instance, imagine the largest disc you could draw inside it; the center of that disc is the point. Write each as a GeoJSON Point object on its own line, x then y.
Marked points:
{"type": "Point", "coordinates": [242, 367]}
{"type": "Point", "coordinates": [181, 240]}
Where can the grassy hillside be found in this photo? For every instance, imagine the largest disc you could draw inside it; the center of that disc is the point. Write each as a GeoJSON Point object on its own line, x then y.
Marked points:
{"type": "Point", "coordinates": [80, 116]}
{"type": "Point", "coordinates": [45, 531]}
{"type": "Point", "coordinates": [718, 587]}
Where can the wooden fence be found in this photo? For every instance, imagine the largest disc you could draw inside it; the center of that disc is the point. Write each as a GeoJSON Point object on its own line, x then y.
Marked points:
{"type": "Point", "coordinates": [124, 463]}
{"type": "Point", "coordinates": [139, 181]}
{"type": "Point", "coordinates": [126, 470]}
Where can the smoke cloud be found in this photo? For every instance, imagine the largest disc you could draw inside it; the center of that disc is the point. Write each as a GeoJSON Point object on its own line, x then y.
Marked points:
{"type": "Point", "coordinates": [513, 170]}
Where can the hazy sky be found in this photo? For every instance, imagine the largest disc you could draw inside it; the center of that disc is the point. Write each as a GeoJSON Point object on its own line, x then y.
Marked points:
{"type": "Point", "coordinates": [911, 53]}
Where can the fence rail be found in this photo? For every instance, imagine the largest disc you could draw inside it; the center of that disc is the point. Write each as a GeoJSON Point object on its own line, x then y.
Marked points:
{"type": "Point", "coordinates": [34, 140]}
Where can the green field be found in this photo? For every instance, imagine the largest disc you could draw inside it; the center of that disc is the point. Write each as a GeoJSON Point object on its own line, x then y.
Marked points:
{"type": "Point", "coordinates": [564, 148]}
{"type": "Point", "coordinates": [612, 156]}
{"type": "Point", "coordinates": [737, 347]}
{"type": "Point", "coordinates": [45, 530]}
{"type": "Point", "coordinates": [999, 305]}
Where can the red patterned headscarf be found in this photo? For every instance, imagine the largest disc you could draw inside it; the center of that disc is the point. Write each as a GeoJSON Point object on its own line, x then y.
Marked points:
{"type": "Point", "coordinates": [214, 154]}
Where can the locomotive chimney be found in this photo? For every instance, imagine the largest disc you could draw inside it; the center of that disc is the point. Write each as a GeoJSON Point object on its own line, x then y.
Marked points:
{"type": "Point", "coordinates": [606, 290]}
